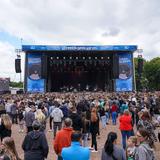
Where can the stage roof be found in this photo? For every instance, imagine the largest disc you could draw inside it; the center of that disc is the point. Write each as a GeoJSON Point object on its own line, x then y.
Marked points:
{"type": "Point", "coordinates": [27, 48]}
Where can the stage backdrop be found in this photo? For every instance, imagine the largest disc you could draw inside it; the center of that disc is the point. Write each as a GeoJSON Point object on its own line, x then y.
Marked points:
{"type": "Point", "coordinates": [34, 81]}
{"type": "Point", "coordinates": [125, 81]}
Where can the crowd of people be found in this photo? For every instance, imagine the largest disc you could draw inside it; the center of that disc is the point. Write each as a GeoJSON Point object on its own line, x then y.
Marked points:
{"type": "Point", "coordinates": [76, 118]}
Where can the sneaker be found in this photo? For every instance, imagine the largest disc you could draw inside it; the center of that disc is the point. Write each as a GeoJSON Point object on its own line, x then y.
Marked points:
{"type": "Point", "coordinates": [91, 148]}
{"type": "Point", "coordinates": [94, 151]}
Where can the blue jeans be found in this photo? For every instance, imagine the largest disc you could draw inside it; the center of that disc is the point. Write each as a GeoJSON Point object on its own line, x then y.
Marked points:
{"type": "Point", "coordinates": [125, 134]}
{"type": "Point", "coordinates": [107, 117]}
{"type": "Point", "coordinates": [84, 139]}
{"type": "Point", "coordinates": [103, 119]}
{"type": "Point", "coordinates": [114, 117]}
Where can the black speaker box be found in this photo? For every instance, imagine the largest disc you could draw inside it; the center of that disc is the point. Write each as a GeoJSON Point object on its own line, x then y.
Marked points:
{"type": "Point", "coordinates": [18, 65]}
{"type": "Point", "coordinates": [140, 65]}
{"type": "Point", "coordinates": [115, 66]}
{"type": "Point", "coordinates": [44, 66]}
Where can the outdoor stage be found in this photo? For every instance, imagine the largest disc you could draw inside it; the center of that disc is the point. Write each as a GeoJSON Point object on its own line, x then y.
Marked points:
{"type": "Point", "coordinates": [79, 68]}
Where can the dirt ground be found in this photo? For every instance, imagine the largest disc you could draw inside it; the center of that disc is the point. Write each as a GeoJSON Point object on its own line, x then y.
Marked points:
{"type": "Point", "coordinates": [94, 156]}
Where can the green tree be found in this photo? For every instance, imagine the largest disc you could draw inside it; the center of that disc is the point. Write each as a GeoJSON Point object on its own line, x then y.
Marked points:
{"type": "Point", "coordinates": [16, 84]}
{"type": "Point", "coordinates": [152, 73]}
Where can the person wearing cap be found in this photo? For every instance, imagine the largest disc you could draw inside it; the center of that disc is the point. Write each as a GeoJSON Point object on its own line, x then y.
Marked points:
{"type": "Point", "coordinates": [63, 138]}
{"type": "Point", "coordinates": [76, 151]}
{"type": "Point", "coordinates": [35, 144]}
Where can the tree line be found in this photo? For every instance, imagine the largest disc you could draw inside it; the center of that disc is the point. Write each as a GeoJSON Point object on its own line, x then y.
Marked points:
{"type": "Point", "coordinates": [149, 78]}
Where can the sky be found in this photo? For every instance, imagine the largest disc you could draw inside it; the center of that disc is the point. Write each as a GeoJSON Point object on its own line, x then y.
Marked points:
{"type": "Point", "coordinates": [78, 22]}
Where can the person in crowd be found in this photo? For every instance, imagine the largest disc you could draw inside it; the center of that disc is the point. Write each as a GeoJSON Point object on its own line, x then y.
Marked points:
{"type": "Point", "coordinates": [94, 129]}
{"type": "Point", "coordinates": [138, 117]}
{"type": "Point", "coordinates": [57, 115]}
{"type": "Point", "coordinates": [146, 123]}
{"type": "Point", "coordinates": [85, 130]}
{"type": "Point", "coordinates": [8, 107]}
{"type": "Point", "coordinates": [131, 147]}
{"type": "Point", "coordinates": [145, 150]}
{"type": "Point", "coordinates": [21, 119]}
{"type": "Point", "coordinates": [8, 149]}
{"type": "Point", "coordinates": [40, 117]}
{"type": "Point", "coordinates": [51, 108]}
{"type": "Point", "coordinates": [64, 108]}
{"type": "Point", "coordinates": [63, 138]}
{"type": "Point", "coordinates": [14, 112]}
{"type": "Point", "coordinates": [114, 110]}
{"type": "Point", "coordinates": [35, 144]}
{"type": "Point", "coordinates": [44, 110]}
{"type": "Point", "coordinates": [102, 117]}
{"type": "Point", "coordinates": [123, 107]}
{"type": "Point", "coordinates": [5, 126]}
{"type": "Point", "coordinates": [125, 126]}
{"type": "Point", "coordinates": [76, 151]}
{"type": "Point", "coordinates": [76, 120]}
{"type": "Point", "coordinates": [111, 151]}
{"type": "Point", "coordinates": [29, 118]}
{"type": "Point", "coordinates": [107, 110]}
{"type": "Point", "coordinates": [2, 107]}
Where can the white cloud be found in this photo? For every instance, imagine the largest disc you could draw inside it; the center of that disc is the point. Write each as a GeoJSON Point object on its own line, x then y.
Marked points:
{"type": "Point", "coordinates": [84, 22]}
{"type": "Point", "coordinates": [7, 62]}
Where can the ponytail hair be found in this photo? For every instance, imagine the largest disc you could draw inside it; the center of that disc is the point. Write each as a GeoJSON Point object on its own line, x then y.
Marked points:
{"type": "Point", "coordinates": [108, 147]}
{"type": "Point", "coordinates": [145, 133]}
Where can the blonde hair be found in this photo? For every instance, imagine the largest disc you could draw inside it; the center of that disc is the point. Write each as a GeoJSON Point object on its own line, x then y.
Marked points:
{"type": "Point", "coordinates": [126, 112]}
{"type": "Point", "coordinates": [10, 147]}
{"type": "Point", "coordinates": [133, 139]}
{"type": "Point", "coordinates": [6, 121]}
{"type": "Point", "coordinates": [39, 115]}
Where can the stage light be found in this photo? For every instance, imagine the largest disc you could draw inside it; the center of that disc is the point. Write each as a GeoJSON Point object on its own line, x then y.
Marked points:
{"type": "Point", "coordinates": [57, 57]}
{"type": "Point", "coordinates": [70, 57]}
{"type": "Point", "coordinates": [83, 57]}
{"type": "Point", "coordinates": [51, 58]}
{"type": "Point", "coordinates": [89, 57]}
{"type": "Point", "coordinates": [102, 57]}
{"type": "Point", "coordinates": [108, 57]}
{"type": "Point", "coordinates": [95, 57]}
{"type": "Point", "coordinates": [76, 57]}
{"type": "Point", "coordinates": [64, 57]}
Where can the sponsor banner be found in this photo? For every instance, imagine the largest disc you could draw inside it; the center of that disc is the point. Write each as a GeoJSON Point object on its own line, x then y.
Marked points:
{"type": "Point", "coordinates": [79, 48]}
{"type": "Point", "coordinates": [125, 81]}
{"type": "Point", "coordinates": [34, 81]}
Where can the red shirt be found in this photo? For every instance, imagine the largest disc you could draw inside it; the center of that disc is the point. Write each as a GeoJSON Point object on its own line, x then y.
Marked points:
{"type": "Point", "coordinates": [125, 122]}
{"type": "Point", "coordinates": [62, 139]}
{"type": "Point", "coordinates": [114, 108]}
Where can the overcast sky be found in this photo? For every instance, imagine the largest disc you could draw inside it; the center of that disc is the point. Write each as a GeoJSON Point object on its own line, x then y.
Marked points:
{"type": "Point", "coordinates": [83, 22]}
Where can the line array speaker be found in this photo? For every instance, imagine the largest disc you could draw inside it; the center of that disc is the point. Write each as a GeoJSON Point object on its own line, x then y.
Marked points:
{"type": "Point", "coordinates": [18, 65]}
